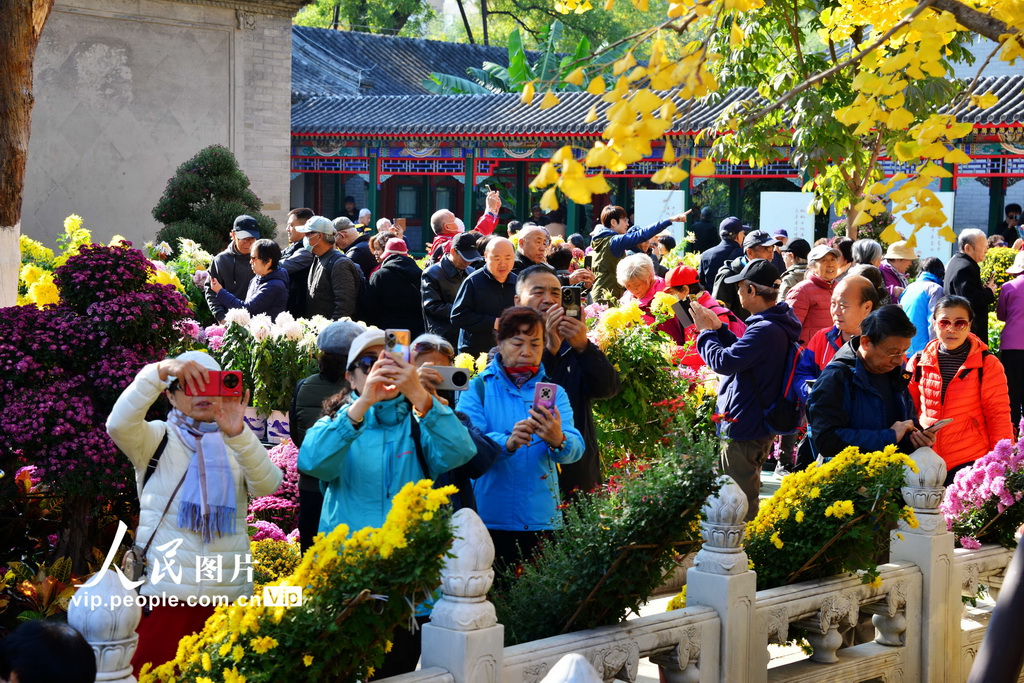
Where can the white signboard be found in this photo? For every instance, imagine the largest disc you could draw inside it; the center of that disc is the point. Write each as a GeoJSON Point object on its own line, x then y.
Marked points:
{"type": "Point", "coordinates": [652, 206]}
{"type": "Point", "coordinates": [929, 243]}
{"type": "Point", "coordinates": [788, 211]}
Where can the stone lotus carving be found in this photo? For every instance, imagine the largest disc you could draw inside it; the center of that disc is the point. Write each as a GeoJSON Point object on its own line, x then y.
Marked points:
{"type": "Point", "coordinates": [466, 577]}
{"type": "Point", "coordinates": [722, 551]}
{"type": "Point", "coordinates": [109, 630]}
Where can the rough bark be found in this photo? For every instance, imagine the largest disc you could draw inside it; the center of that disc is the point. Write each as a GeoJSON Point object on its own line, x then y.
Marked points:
{"type": "Point", "coordinates": [21, 24]}
{"type": "Point", "coordinates": [973, 20]}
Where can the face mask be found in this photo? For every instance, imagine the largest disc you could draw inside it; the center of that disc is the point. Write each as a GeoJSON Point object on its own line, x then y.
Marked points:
{"type": "Point", "coordinates": [305, 242]}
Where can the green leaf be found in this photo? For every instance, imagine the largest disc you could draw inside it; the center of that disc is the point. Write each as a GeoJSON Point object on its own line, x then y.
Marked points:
{"type": "Point", "coordinates": [519, 70]}
{"type": "Point", "coordinates": [547, 67]}
{"type": "Point", "coordinates": [446, 84]}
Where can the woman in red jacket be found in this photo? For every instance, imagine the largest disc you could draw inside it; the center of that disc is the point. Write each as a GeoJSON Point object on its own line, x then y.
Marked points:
{"type": "Point", "coordinates": [956, 377]}
{"type": "Point", "coordinates": [811, 300]}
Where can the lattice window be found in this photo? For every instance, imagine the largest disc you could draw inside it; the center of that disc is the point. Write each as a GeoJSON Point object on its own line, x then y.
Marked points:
{"type": "Point", "coordinates": [330, 165]}
{"type": "Point", "coordinates": [422, 166]}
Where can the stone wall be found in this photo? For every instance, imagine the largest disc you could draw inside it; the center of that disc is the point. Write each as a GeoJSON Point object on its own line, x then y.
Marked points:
{"type": "Point", "coordinates": [126, 90]}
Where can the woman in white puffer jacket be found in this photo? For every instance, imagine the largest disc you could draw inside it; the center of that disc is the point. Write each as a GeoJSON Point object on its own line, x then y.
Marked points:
{"type": "Point", "coordinates": [215, 463]}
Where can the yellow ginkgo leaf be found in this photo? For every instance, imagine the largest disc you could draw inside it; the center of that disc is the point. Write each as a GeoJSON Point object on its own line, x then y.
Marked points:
{"type": "Point", "coordinates": [591, 115]}
{"type": "Point", "coordinates": [528, 92]}
{"type": "Point", "coordinates": [899, 119]}
{"type": "Point", "coordinates": [576, 77]}
{"type": "Point", "coordinates": [669, 154]}
{"type": "Point", "coordinates": [912, 240]}
{"type": "Point", "coordinates": [877, 189]}
{"type": "Point", "coordinates": [984, 101]}
{"type": "Point", "coordinates": [550, 100]}
{"type": "Point", "coordinates": [596, 86]}
{"type": "Point", "coordinates": [890, 234]}
{"type": "Point", "coordinates": [946, 233]}
{"type": "Point", "coordinates": [705, 167]}
{"type": "Point", "coordinates": [934, 171]}
{"type": "Point", "coordinates": [956, 156]}
{"type": "Point", "coordinates": [549, 200]}
{"type": "Point", "coordinates": [736, 36]}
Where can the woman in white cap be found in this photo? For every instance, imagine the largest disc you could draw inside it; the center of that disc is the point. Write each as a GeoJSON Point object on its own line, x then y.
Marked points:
{"type": "Point", "coordinates": [898, 259]}
{"type": "Point", "coordinates": [388, 431]}
{"type": "Point", "coordinates": [195, 473]}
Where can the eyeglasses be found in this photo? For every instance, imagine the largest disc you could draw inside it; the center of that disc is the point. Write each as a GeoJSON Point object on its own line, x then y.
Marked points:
{"type": "Point", "coordinates": [364, 363]}
{"type": "Point", "coordinates": [426, 347]}
{"type": "Point", "coordinates": [957, 325]}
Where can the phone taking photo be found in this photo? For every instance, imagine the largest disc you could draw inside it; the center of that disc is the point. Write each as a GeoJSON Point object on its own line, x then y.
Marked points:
{"type": "Point", "coordinates": [452, 378]}
{"type": "Point", "coordinates": [398, 342]}
{"type": "Point", "coordinates": [572, 302]}
{"type": "Point", "coordinates": [544, 394]}
{"type": "Point", "coordinates": [939, 425]}
{"type": "Point", "coordinates": [684, 314]}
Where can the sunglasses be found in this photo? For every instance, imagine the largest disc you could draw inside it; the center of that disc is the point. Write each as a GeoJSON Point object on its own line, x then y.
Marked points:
{"type": "Point", "coordinates": [957, 325]}
{"type": "Point", "coordinates": [363, 363]}
{"type": "Point", "coordinates": [426, 347]}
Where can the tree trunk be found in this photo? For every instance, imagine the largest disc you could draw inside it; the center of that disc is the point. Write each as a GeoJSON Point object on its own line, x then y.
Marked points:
{"type": "Point", "coordinates": [73, 536]}
{"type": "Point", "coordinates": [465, 22]}
{"type": "Point", "coordinates": [21, 24]}
{"type": "Point", "coordinates": [483, 20]}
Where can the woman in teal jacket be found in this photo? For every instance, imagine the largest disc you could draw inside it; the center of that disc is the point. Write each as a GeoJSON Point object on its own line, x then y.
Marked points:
{"type": "Point", "coordinates": [364, 453]}
{"type": "Point", "coordinates": [518, 497]}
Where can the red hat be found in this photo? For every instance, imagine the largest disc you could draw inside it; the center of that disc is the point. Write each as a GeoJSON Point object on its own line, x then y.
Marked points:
{"type": "Point", "coordinates": [681, 276]}
{"type": "Point", "coordinates": [396, 245]}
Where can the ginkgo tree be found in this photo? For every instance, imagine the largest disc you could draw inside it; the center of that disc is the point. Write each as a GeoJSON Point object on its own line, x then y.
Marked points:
{"type": "Point", "coordinates": [843, 83]}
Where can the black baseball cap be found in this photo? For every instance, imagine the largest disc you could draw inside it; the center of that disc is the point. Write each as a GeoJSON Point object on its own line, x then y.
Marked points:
{"type": "Point", "coordinates": [760, 272]}
{"type": "Point", "coordinates": [730, 227]}
{"type": "Point", "coordinates": [246, 226]}
{"type": "Point", "coordinates": [465, 244]}
{"type": "Point", "coordinates": [759, 238]}
{"type": "Point", "coordinates": [798, 247]}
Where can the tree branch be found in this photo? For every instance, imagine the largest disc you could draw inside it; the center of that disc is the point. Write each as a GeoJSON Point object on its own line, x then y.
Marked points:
{"type": "Point", "coordinates": [842, 65]}
{"type": "Point", "coordinates": [976, 21]}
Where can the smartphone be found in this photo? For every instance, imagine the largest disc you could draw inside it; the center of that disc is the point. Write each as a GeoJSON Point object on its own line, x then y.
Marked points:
{"type": "Point", "coordinates": [222, 383]}
{"type": "Point", "coordinates": [400, 223]}
{"type": "Point", "coordinates": [588, 260]}
{"type": "Point", "coordinates": [571, 302]}
{"type": "Point", "coordinates": [452, 379]}
{"type": "Point", "coordinates": [487, 189]}
{"type": "Point", "coordinates": [398, 342]}
{"type": "Point", "coordinates": [939, 425]}
{"type": "Point", "coordinates": [683, 314]}
{"type": "Point", "coordinates": [544, 395]}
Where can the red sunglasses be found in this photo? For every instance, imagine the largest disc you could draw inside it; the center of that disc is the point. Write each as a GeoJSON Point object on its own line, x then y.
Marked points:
{"type": "Point", "coordinates": [957, 325]}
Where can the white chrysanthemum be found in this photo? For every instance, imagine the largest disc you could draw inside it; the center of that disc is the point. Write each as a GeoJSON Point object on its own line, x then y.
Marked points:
{"type": "Point", "coordinates": [239, 316]}
{"type": "Point", "coordinates": [284, 318]}
{"type": "Point", "coordinates": [292, 331]}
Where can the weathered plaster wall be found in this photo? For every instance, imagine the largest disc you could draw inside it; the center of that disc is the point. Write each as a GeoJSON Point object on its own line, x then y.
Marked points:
{"type": "Point", "coordinates": [126, 90]}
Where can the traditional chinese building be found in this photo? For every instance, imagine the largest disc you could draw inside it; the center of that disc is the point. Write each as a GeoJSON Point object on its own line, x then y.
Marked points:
{"type": "Point", "coordinates": [404, 153]}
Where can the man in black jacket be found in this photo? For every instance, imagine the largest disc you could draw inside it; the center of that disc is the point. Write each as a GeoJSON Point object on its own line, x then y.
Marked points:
{"type": "Point", "coordinates": [534, 241]}
{"type": "Point", "coordinates": [231, 267]}
{"type": "Point", "coordinates": [963, 278]}
{"type": "Point", "coordinates": [704, 232]}
{"type": "Point", "coordinates": [756, 245]}
{"type": "Point", "coordinates": [711, 261]}
{"type": "Point", "coordinates": [355, 245]}
{"type": "Point", "coordinates": [335, 283]}
{"type": "Point", "coordinates": [574, 363]}
{"type": "Point", "coordinates": [296, 260]}
{"type": "Point", "coordinates": [393, 295]}
{"type": "Point", "coordinates": [440, 284]}
{"type": "Point", "coordinates": [484, 296]}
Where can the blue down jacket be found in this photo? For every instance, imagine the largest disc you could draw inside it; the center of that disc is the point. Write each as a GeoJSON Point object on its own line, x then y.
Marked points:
{"type": "Point", "coordinates": [520, 491]}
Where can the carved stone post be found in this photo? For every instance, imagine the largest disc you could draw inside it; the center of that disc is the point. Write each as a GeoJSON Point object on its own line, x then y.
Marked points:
{"type": "Point", "coordinates": [100, 614]}
{"type": "Point", "coordinates": [930, 547]}
{"type": "Point", "coordinates": [721, 579]}
{"type": "Point", "coordinates": [464, 635]}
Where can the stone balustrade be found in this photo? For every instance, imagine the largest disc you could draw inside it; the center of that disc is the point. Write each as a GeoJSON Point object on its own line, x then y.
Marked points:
{"type": "Point", "coordinates": [907, 629]}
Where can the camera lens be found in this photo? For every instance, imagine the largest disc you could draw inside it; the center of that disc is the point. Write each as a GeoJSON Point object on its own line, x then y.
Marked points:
{"type": "Point", "coordinates": [460, 379]}
{"type": "Point", "coordinates": [230, 381]}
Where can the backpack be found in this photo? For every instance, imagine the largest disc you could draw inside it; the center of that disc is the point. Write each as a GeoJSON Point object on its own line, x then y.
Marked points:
{"type": "Point", "coordinates": [735, 325]}
{"type": "Point", "coordinates": [787, 412]}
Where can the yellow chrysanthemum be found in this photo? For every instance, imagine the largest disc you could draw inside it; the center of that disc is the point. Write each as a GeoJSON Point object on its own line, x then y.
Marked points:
{"type": "Point", "coordinates": [776, 541]}
{"type": "Point", "coordinates": [465, 361]}
{"type": "Point", "coordinates": [307, 660]}
{"type": "Point", "coordinates": [262, 645]}
{"type": "Point", "coordinates": [31, 274]}
{"type": "Point", "coordinates": [661, 304]}
{"type": "Point", "coordinates": [44, 292]}
{"type": "Point", "coordinates": [481, 362]}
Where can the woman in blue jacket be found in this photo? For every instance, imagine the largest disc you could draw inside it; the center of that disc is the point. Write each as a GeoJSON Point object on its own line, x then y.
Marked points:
{"type": "Point", "coordinates": [268, 291]}
{"type": "Point", "coordinates": [518, 497]}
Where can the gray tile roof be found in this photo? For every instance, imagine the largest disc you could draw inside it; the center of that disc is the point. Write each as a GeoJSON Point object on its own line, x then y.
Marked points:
{"type": "Point", "coordinates": [502, 114]}
{"type": "Point", "coordinates": [340, 63]}
{"type": "Point", "coordinates": [473, 115]}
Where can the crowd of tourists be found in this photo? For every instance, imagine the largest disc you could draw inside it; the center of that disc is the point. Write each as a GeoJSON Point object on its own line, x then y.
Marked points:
{"type": "Point", "coordinates": [839, 316]}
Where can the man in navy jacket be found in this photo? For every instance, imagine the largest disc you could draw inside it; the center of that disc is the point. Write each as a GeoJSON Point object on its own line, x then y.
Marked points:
{"type": "Point", "coordinates": [729, 249]}
{"type": "Point", "coordinates": [861, 398]}
{"type": "Point", "coordinates": [483, 297]}
{"type": "Point", "coordinates": [753, 366]}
